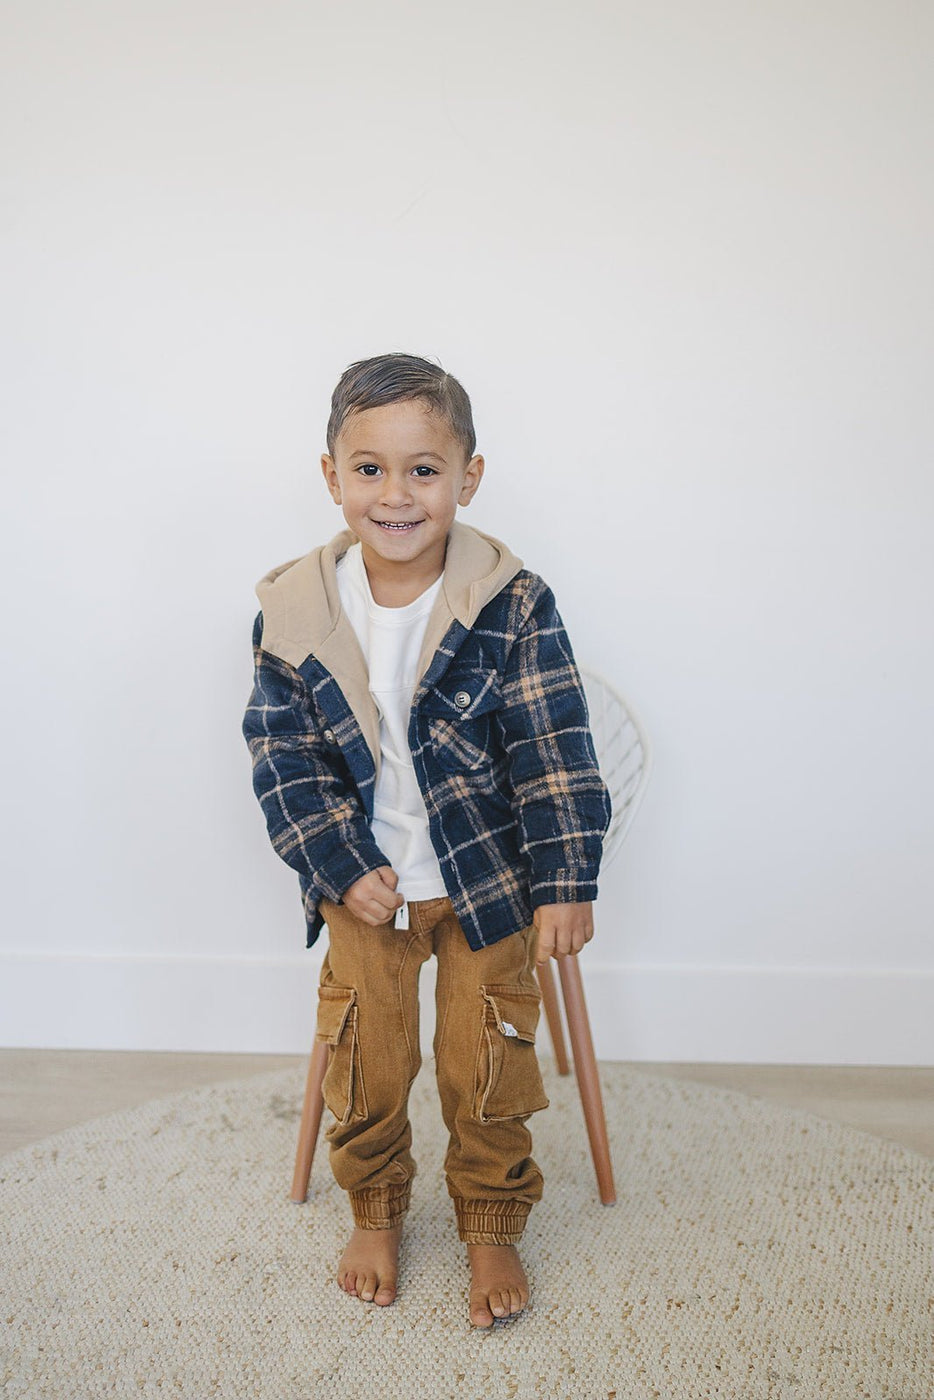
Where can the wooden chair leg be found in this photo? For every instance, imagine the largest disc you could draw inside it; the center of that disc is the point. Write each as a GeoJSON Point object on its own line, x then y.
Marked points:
{"type": "Point", "coordinates": [312, 1110]}
{"type": "Point", "coordinates": [552, 1007]}
{"type": "Point", "coordinates": [585, 1067]}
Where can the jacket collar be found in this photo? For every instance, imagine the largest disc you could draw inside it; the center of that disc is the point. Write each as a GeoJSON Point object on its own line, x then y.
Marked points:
{"type": "Point", "coordinates": [302, 614]}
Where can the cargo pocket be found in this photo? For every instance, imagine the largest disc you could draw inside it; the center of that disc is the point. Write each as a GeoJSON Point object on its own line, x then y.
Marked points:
{"type": "Point", "coordinates": [508, 1082]}
{"type": "Point", "coordinates": [343, 1080]}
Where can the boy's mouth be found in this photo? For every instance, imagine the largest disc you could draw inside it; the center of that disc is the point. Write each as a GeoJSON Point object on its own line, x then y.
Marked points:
{"type": "Point", "coordinates": [397, 527]}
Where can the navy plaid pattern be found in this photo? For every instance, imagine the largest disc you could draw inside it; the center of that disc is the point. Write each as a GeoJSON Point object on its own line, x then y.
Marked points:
{"type": "Point", "coordinates": [503, 754]}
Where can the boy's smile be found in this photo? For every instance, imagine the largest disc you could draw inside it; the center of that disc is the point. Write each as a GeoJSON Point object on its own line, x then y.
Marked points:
{"type": "Point", "coordinates": [399, 474]}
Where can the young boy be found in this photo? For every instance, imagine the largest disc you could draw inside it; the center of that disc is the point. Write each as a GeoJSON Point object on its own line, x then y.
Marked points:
{"type": "Point", "coordinates": [422, 757]}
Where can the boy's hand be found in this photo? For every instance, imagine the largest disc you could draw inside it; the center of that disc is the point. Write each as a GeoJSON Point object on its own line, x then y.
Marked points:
{"type": "Point", "coordinates": [372, 898]}
{"type": "Point", "coordinates": [562, 929]}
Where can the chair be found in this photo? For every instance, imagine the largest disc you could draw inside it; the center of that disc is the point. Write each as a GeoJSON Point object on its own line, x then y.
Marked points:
{"type": "Point", "coordinates": [624, 756]}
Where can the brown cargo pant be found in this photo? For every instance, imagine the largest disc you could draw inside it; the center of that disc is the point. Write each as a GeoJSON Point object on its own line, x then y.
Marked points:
{"type": "Point", "coordinates": [488, 1005]}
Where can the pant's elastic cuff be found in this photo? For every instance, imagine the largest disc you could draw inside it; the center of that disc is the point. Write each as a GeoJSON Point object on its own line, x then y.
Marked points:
{"type": "Point", "coordinates": [380, 1207]}
{"type": "Point", "coordinates": [491, 1222]}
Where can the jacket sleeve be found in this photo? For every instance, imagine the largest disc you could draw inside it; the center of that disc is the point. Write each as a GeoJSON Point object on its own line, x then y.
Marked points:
{"type": "Point", "coordinates": [313, 814]}
{"type": "Point", "coordinates": [561, 802]}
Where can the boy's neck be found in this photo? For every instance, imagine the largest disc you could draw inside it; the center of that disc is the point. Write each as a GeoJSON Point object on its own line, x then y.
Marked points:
{"type": "Point", "coordinates": [396, 585]}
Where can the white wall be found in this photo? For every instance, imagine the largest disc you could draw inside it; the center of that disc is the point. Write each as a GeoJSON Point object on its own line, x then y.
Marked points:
{"type": "Point", "coordinates": [680, 256]}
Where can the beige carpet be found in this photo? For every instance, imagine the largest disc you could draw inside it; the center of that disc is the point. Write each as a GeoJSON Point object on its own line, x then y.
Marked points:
{"type": "Point", "coordinates": [753, 1253]}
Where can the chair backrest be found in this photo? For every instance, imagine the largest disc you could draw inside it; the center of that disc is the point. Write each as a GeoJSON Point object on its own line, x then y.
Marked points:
{"type": "Point", "coordinates": [623, 753]}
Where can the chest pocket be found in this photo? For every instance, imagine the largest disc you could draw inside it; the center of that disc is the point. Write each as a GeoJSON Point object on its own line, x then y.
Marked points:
{"type": "Point", "coordinates": [459, 710]}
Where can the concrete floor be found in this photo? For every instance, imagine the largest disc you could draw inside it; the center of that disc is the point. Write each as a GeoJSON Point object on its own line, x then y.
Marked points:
{"type": "Point", "coordinates": [44, 1091]}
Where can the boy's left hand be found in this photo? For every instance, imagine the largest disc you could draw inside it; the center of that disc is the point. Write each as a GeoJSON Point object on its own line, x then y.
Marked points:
{"type": "Point", "coordinates": [562, 929]}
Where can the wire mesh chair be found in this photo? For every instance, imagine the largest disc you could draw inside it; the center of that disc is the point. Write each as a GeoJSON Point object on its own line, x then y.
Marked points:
{"type": "Point", "coordinates": [624, 757]}
{"type": "Point", "coordinates": [623, 753]}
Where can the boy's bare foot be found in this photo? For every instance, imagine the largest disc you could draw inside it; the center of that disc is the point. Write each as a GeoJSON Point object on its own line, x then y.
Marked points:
{"type": "Point", "coordinates": [368, 1267]}
{"type": "Point", "coordinates": [498, 1285]}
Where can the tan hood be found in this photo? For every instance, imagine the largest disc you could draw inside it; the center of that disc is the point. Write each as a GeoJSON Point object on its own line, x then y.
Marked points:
{"type": "Point", "coordinates": [302, 613]}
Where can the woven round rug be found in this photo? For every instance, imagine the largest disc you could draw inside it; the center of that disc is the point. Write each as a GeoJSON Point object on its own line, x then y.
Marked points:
{"type": "Point", "coordinates": [753, 1252]}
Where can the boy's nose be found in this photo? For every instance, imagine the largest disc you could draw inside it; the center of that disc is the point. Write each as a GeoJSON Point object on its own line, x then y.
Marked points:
{"type": "Point", "coordinates": [396, 493]}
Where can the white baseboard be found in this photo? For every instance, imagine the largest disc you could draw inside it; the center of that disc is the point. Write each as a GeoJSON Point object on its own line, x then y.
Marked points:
{"type": "Point", "coordinates": [750, 1015]}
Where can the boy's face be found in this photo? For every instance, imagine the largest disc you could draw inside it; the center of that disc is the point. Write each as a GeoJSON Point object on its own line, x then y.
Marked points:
{"type": "Point", "coordinates": [399, 475]}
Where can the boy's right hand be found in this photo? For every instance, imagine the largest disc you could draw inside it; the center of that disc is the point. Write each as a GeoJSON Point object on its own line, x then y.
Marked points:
{"type": "Point", "coordinates": [372, 898]}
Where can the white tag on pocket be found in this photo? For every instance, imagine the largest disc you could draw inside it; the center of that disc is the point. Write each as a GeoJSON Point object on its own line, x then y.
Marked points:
{"type": "Point", "coordinates": [402, 916]}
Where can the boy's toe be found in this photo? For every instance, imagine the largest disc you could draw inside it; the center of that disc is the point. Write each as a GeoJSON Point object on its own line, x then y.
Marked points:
{"type": "Point", "coordinates": [480, 1315]}
{"type": "Point", "coordinates": [367, 1287]}
{"type": "Point", "coordinates": [385, 1294]}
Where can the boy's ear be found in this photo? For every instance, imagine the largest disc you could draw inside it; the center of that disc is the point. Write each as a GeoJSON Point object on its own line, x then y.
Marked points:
{"type": "Point", "coordinates": [331, 477]}
{"type": "Point", "coordinates": [472, 474]}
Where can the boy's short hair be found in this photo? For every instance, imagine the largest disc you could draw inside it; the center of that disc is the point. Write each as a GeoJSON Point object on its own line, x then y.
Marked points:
{"type": "Point", "coordinates": [387, 379]}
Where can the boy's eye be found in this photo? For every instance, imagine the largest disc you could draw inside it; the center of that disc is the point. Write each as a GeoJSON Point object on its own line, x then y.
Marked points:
{"type": "Point", "coordinates": [370, 469]}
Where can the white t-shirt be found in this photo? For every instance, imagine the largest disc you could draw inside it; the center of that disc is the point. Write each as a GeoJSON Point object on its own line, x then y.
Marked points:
{"type": "Point", "coordinates": [391, 639]}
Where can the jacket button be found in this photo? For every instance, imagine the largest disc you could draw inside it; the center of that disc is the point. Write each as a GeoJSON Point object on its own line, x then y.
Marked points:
{"type": "Point", "coordinates": [462, 699]}
{"type": "Point", "coordinates": [329, 736]}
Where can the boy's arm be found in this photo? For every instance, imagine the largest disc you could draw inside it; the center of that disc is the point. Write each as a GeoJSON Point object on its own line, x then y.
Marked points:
{"type": "Point", "coordinates": [313, 815]}
{"type": "Point", "coordinates": [562, 804]}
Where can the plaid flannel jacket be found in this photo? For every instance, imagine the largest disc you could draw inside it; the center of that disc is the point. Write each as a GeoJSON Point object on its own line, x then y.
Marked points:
{"type": "Point", "coordinates": [498, 732]}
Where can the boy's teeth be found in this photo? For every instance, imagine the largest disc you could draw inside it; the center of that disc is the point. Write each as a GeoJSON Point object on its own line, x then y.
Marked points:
{"type": "Point", "coordinates": [400, 525]}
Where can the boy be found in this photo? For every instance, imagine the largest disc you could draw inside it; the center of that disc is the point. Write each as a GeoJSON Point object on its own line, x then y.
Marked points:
{"type": "Point", "coordinates": [422, 756]}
